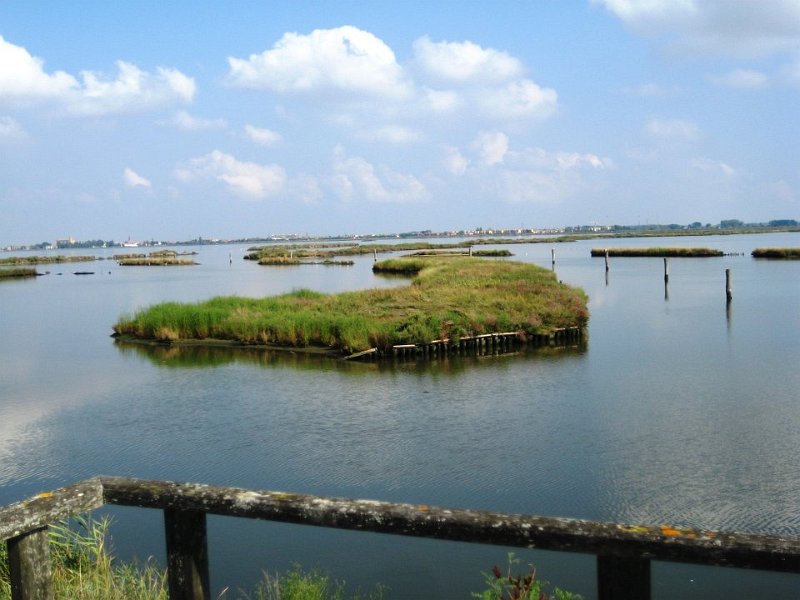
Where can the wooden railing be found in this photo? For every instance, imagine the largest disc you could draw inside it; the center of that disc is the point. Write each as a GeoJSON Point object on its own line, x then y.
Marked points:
{"type": "Point", "coordinates": [623, 552]}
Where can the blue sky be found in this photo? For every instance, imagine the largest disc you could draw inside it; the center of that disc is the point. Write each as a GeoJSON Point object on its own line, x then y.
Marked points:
{"type": "Point", "coordinates": [172, 120]}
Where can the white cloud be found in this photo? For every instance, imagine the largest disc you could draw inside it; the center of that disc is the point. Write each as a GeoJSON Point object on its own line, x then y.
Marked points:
{"type": "Point", "coordinates": [742, 78]}
{"type": "Point", "coordinates": [674, 129]}
{"type": "Point", "coordinates": [183, 120]}
{"type": "Point", "coordinates": [262, 136]}
{"type": "Point", "coordinates": [465, 62]}
{"type": "Point", "coordinates": [355, 178]}
{"type": "Point", "coordinates": [491, 146]}
{"type": "Point", "coordinates": [395, 134]}
{"type": "Point", "coordinates": [454, 161]}
{"type": "Point", "coordinates": [713, 166]}
{"type": "Point", "coordinates": [345, 59]}
{"type": "Point", "coordinates": [518, 99]}
{"type": "Point", "coordinates": [736, 27]}
{"type": "Point", "coordinates": [441, 101]}
{"type": "Point", "coordinates": [250, 180]}
{"type": "Point", "coordinates": [23, 80]}
{"type": "Point", "coordinates": [133, 179]}
{"type": "Point", "coordinates": [10, 129]}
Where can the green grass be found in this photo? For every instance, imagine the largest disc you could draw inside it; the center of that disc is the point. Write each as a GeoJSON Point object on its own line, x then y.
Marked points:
{"type": "Point", "coordinates": [84, 568]}
{"type": "Point", "coordinates": [780, 253]}
{"type": "Point", "coordinates": [17, 272]}
{"type": "Point", "coordinates": [155, 261]}
{"type": "Point", "coordinates": [448, 298]}
{"type": "Point", "coordinates": [40, 260]}
{"type": "Point", "coordinates": [658, 252]}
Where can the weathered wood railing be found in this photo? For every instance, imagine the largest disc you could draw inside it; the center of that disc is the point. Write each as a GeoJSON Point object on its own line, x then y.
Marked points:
{"type": "Point", "coordinates": [623, 552]}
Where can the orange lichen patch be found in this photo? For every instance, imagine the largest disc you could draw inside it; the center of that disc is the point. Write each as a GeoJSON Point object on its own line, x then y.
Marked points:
{"type": "Point", "coordinates": [423, 508]}
{"type": "Point", "coordinates": [44, 495]}
{"type": "Point", "coordinates": [670, 531]}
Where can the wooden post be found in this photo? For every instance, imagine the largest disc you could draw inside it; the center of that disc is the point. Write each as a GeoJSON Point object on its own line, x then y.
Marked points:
{"type": "Point", "coordinates": [187, 554]}
{"type": "Point", "coordinates": [623, 578]}
{"type": "Point", "coordinates": [728, 285]}
{"type": "Point", "coordinates": [470, 250]}
{"type": "Point", "coordinates": [606, 260]}
{"type": "Point", "coordinates": [30, 567]}
{"type": "Point", "coordinates": [374, 255]}
{"type": "Point", "coordinates": [553, 256]}
{"type": "Point", "coordinates": [666, 270]}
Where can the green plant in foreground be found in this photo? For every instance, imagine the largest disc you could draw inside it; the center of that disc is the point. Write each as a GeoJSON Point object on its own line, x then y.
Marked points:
{"type": "Point", "coordinates": [519, 587]}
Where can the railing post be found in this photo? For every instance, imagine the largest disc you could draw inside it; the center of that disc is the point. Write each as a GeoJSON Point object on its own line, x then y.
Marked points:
{"type": "Point", "coordinates": [623, 578]}
{"type": "Point", "coordinates": [29, 565]}
{"type": "Point", "coordinates": [187, 554]}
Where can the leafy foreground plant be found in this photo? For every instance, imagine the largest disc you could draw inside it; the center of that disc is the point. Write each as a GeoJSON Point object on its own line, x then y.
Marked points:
{"type": "Point", "coordinates": [519, 587]}
{"type": "Point", "coordinates": [84, 569]}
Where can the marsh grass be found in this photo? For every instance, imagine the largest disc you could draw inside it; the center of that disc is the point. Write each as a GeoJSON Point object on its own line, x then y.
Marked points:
{"type": "Point", "coordinates": [155, 261]}
{"type": "Point", "coordinates": [41, 260]}
{"type": "Point", "coordinates": [448, 298]}
{"type": "Point", "coordinates": [84, 568]}
{"type": "Point", "coordinates": [777, 253]}
{"type": "Point", "coordinates": [17, 272]}
{"type": "Point", "coordinates": [658, 252]}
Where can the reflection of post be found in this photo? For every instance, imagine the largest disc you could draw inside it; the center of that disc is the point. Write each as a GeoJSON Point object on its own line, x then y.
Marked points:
{"type": "Point", "coordinates": [606, 278]}
{"type": "Point", "coordinates": [728, 285]}
{"type": "Point", "coordinates": [728, 313]}
{"type": "Point", "coordinates": [666, 290]}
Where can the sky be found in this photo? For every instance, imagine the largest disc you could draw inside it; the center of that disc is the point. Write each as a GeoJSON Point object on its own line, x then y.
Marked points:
{"type": "Point", "coordinates": [173, 120]}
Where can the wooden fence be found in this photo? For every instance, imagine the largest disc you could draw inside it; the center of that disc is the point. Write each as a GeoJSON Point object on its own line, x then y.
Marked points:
{"type": "Point", "coordinates": [623, 552]}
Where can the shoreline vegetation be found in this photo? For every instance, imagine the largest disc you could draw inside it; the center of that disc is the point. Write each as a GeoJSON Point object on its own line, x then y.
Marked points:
{"type": "Point", "coordinates": [84, 567]}
{"type": "Point", "coordinates": [447, 299]}
{"type": "Point", "coordinates": [777, 253]}
{"type": "Point", "coordinates": [44, 260]}
{"type": "Point", "coordinates": [657, 252]}
{"type": "Point", "coordinates": [17, 273]}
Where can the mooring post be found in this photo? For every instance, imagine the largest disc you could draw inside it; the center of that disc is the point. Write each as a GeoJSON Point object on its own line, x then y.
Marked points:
{"type": "Point", "coordinates": [470, 250]}
{"type": "Point", "coordinates": [623, 578]}
{"type": "Point", "coordinates": [30, 567]}
{"type": "Point", "coordinates": [728, 285]}
{"type": "Point", "coordinates": [666, 270]}
{"type": "Point", "coordinates": [553, 256]}
{"type": "Point", "coordinates": [606, 260]}
{"type": "Point", "coordinates": [187, 554]}
{"type": "Point", "coordinates": [374, 255]}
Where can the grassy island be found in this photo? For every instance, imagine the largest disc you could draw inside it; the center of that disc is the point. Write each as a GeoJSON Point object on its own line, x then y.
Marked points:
{"type": "Point", "coordinates": [17, 273]}
{"type": "Point", "coordinates": [658, 252]}
{"type": "Point", "coordinates": [447, 299]}
{"type": "Point", "coordinates": [44, 260]}
{"type": "Point", "coordinates": [777, 253]}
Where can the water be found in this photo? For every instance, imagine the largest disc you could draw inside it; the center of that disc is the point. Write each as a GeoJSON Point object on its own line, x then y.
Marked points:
{"type": "Point", "coordinates": [681, 410]}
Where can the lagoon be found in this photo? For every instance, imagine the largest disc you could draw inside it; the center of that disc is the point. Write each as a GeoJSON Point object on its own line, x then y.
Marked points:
{"type": "Point", "coordinates": [680, 410]}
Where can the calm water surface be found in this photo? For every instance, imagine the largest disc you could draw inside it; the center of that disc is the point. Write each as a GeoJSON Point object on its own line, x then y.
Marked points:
{"type": "Point", "coordinates": [681, 410]}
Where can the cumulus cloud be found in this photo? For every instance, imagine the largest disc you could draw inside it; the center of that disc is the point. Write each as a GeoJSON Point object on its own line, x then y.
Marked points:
{"type": "Point", "coordinates": [491, 147]}
{"type": "Point", "coordinates": [183, 120]}
{"type": "Point", "coordinates": [250, 180]}
{"type": "Point", "coordinates": [10, 129]}
{"type": "Point", "coordinates": [133, 179]}
{"type": "Point", "coordinates": [454, 161]}
{"type": "Point", "coordinates": [345, 59]}
{"type": "Point", "coordinates": [262, 136]}
{"type": "Point", "coordinates": [674, 129]}
{"type": "Point", "coordinates": [742, 79]}
{"type": "Point", "coordinates": [740, 28]}
{"type": "Point", "coordinates": [355, 178]}
{"type": "Point", "coordinates": [518, 99]}
{"type": "Point", "coordinates": [464, 62]}
{"type": "Point", "coordinates": [23, 80]}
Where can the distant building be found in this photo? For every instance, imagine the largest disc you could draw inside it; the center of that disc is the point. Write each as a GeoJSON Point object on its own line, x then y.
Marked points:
{"type": "Point", "coordinates": [65, 242]}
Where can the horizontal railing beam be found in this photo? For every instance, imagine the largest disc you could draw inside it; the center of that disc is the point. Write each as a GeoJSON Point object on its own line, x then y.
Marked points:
{"type": "Point", "coordinates": [572, 535]}
{"type": "Point", "coordinates": [48, 507]}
